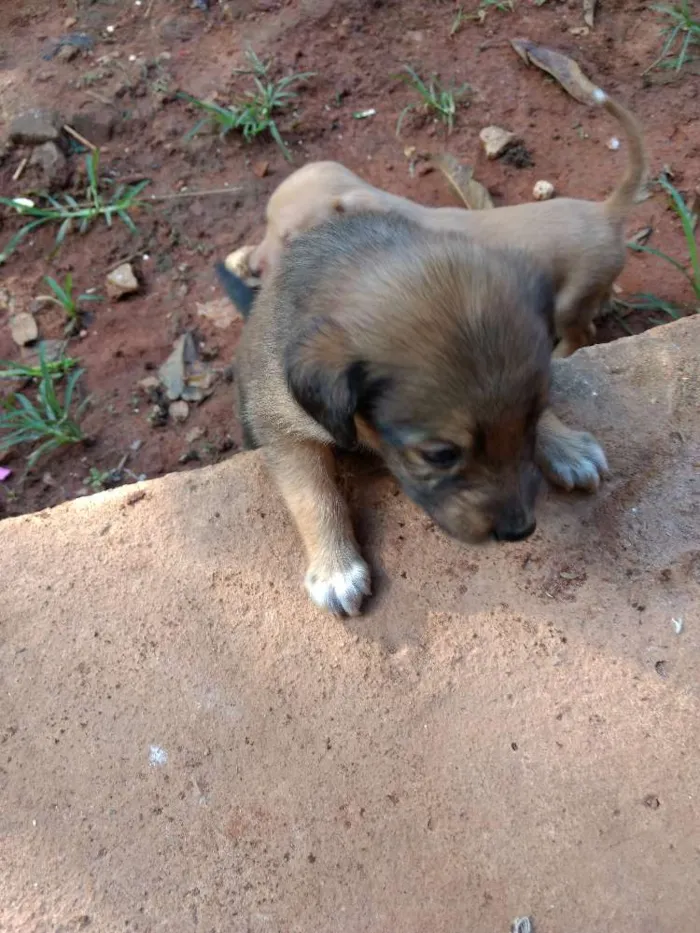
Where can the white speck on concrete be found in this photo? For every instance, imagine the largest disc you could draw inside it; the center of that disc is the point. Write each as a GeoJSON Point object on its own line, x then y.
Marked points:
{"type": "Point", "coordinates": [157, 756]}
{"type": "Point", "coordinates": [677, 625]}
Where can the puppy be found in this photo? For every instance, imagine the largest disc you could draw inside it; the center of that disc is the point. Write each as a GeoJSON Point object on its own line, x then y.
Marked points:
{"type": "Point", "coordinates": [422, 346]}
{"type": "Point", "coordinates": [579, 243]}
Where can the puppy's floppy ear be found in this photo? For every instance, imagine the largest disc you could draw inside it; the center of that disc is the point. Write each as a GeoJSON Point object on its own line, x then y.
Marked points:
{"type": "Point", "coordinates": [325, 378]}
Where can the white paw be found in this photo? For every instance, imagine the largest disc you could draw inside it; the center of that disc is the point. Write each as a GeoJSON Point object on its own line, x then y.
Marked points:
{"type": "Point", "coordinates": [340, 589]}
{"type": "Point", "coordinates": [577, 464]}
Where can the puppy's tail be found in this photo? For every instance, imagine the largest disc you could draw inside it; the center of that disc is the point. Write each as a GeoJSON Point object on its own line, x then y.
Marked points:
{"type": "Point", "coordinates": [241, 295]}
{"type": "Point", "coordinates": [623, 198]}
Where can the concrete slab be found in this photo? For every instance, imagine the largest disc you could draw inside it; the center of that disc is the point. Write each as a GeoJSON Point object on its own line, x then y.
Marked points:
{"type": "Point", "coordinates": [186, 744]}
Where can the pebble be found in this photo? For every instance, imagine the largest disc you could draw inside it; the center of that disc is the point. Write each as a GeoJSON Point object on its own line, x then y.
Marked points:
{"type": "Point", "coordinates": [220, 312]}
{"type": "Point", "coordinates": [196, 434]}
{"type": "Point", "coordinates": [34, 127]}
{"type": "Point", "coordinates": [121, 281]}
{"type": "Point", "coordinates": [179, 410]}
{"type": "Point", "coordinates": [51, 165]}
{"type": "Point", "coordinates": [496, 140]}
{"type": "Point", "coordinates": [543, 191]}
{"type": "Point", "coordinates": [149, 385]}
{"type": "Point", "coordinates": [23, 328]}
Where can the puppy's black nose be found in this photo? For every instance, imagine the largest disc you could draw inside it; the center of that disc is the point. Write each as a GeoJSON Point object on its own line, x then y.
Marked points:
{"type": "Point", "coordinates": [513, 532]}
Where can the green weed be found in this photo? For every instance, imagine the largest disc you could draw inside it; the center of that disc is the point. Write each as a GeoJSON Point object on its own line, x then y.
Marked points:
{"type": "Point", "coordinates": [681, 33]}
{"type": "Point", "coordinates": [254, 113]}
{"type": "Point", "coordinates": [49, 422]}
{"type": "Point", "coordinates": [691, 269]}
{"type": "Point", "coordinates": [442, 101]}
{"type": "Point", "coordinates": [70, 213]}
{"type": "Point", "coordinates": [63, 297]}
{"type": "Point", "coordinates": [22, 372]}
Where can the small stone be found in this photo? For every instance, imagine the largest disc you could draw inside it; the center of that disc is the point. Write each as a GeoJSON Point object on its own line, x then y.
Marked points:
{"type": "Point", "coordinates": [69, 22]}
{"type": "Point", "coordinates": [136, 445]}
{"type": "Point", "coordinates": [543, 191]}
{"type": "Point", "coordinates": [260, 169]}
{"type": "Point", "coordinates": [23, 328]}
{"type": "Point", "coordinates": [149, 386]}
{"type": "Point", "coordinates": [179, 411]}
{"type": "Point", "coordinates": [121, 281]}
{"type": "Point", "coordinates": [51, 166]}
{"type": "Point", "coordinates": [196, 434]}
{"type": "Point", "coordinates": [34, 127]}
{"type": "Point", "coordinates": [67, 53]}
{"type": "Point", "coordinates": [7, 301]}
{"type": "Point", "coordinates": [96, 124]}
{"type": "Point", "coordinates": [48, 480]}
{"type": "Point", "coordinates": [613, 143]}
{"type": "Point", "coordinates": [172, 372]}
{"type": "Point", "coordinates": [496, 140]}
{"type": "Point", "coordinates": [425, 168]}
{"type": "Point", "coordinates": [220, 312]}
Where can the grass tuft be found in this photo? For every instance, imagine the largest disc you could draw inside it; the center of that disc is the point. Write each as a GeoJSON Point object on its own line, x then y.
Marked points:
{"type": "Point", "coordinates": [70, 213]}
{"type": "Point", "coordinates": [681, 34]}
{"type": "Point", "coordinates": [63, 297]}
{"type": "Point", "coordinates": [691, 269]}
{"type": "Point", "coordinates": [442, 101]}
{"type": "Point", "coordinates": [49, 422]}
{"type": "Point", "coordinates": [254, 113]}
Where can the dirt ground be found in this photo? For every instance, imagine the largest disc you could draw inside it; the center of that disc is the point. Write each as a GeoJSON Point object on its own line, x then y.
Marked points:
{"type": "Point", "coordinates": [122, 92]}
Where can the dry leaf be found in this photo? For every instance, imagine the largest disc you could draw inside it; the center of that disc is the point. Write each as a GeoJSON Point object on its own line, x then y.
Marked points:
{"type": "Point", "coordinates": [561, 67]}
{"type": "Point", "coordinates": [461, 177]}
{"type": "Point", "coordinates": [589, 12]}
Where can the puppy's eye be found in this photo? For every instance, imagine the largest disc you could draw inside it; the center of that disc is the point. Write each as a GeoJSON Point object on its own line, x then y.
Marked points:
{"type": "Point", "coordinates": [441, 455]}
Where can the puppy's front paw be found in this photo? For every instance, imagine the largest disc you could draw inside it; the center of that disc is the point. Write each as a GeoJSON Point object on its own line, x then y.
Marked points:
{"type": "Point", "coordinates": [341, 586]}
{"type": "Point", "coordinates": [573, 460]}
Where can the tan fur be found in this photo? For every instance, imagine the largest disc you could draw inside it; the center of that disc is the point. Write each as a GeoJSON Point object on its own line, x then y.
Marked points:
{"type": "Point", "coordinates": [578, 243]}
{"type": "Point", "coordinates": [374, 331]}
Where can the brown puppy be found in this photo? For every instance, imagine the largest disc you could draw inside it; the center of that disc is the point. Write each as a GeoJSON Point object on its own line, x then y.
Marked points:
{"type": "Point", "coordinates": [422, 346]}
{"type": "Point", "coordinates": [579, 243]}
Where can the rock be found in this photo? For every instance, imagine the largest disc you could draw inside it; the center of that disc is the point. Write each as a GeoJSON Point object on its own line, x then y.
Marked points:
{"type": "Point", "coordinates": [543, 191]}
{"type": "Point", "coordinates": [34, 127]}
{"type": "Point", "coordinates": [121, 281]}
{"type": "Point", "coordinates": [179, 411]}
{"type": "Point", "coordinates": [172, 373]}
{"type": "Point", "coordinates": [67, 53]}
{"type": "Point", "coordinates": [220, 312]}
{"type": "Point", "coordinates": [96, 124]}
{"type": "Point", "coordinates": [196, 434]}
{"type": "Point", "coordinates": [199, 382]}
{"type": "Point", "coordinates": [149, 386]}
{"type": "Point", "coordinates": [7, 301]}
{"type": "Point", "coordinates": [23, 328]}
{"type": "Point", "coordinates": [496, 140]}
{"type": "Point", "coordinates": [51, 166]}
{"type": "Point", "coordinates": [260, 169]}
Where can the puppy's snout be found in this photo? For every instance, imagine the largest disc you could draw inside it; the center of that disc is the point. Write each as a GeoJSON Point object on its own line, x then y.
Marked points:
{"type": "Point", "coordinates": [515, 521]}
{"type": "Point", "coordinates": [514, 531]}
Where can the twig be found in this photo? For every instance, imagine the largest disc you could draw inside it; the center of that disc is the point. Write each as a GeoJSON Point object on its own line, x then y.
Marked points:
{"type": "Point", "coordinates": [81, 139]}
{"type": "Point", "coordinates": [20, 168]}
{"type": "Point", "coordinates": [193, 194]}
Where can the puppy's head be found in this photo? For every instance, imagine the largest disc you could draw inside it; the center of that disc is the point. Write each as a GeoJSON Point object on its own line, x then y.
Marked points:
{"type": "Point", "coordinates": [438, 358]}
{"type": "Point", "coordinates": [307, 198]}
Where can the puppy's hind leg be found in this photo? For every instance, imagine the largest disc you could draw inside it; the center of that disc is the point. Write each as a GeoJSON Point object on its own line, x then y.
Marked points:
{"type": "Point", "coordinates": [337, 578]}
{"type": "Point", "coordinates": [568, 458]}
{"type": "Point", "coordinates": [574, 314]}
